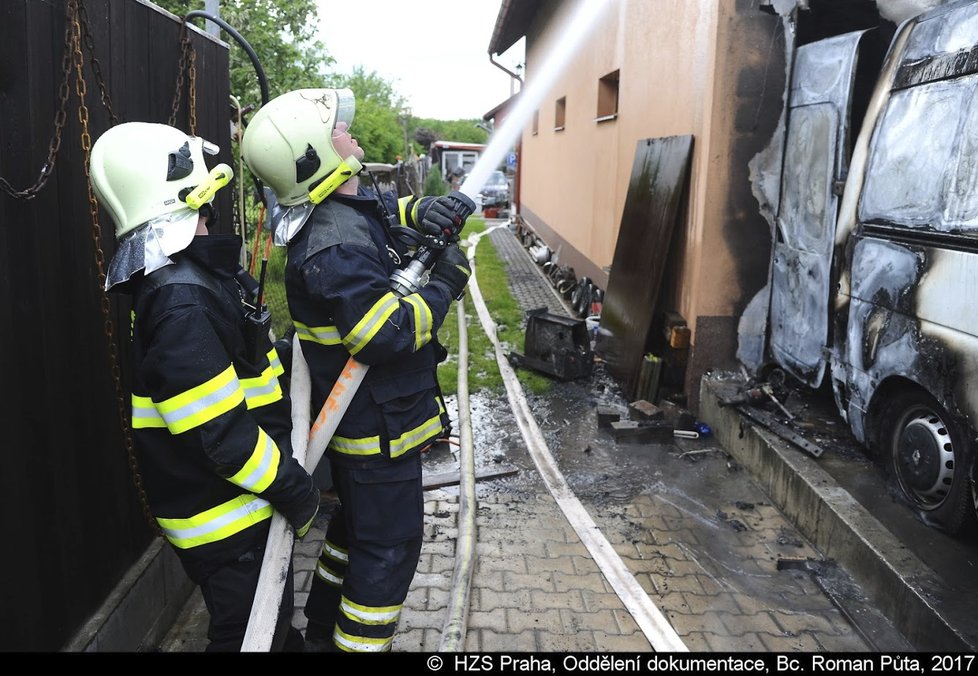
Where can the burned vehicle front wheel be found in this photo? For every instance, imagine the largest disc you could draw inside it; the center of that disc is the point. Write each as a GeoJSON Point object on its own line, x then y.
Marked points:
{"type": "Point", "coordinates": [930, 456]}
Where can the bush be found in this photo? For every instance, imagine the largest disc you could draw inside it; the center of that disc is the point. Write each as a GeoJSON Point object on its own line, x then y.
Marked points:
{"type": "Point", "coordinates": [434, 184]}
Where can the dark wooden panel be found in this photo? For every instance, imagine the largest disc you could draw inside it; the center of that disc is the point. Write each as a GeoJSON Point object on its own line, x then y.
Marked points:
{"type": "Point", "coordinates": [74, 515]}
{"type": "Point", "coordinates": [657, 184]}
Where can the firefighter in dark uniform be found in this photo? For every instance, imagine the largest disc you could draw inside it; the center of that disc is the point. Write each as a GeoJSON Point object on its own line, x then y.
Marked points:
{"type": "Point", "coordinates": [211, 422]}
{"type": "Point", "coordinates": [342, 250]}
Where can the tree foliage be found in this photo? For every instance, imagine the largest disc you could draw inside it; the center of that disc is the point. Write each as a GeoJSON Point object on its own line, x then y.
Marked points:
{"type": "Point", "coordinates": [378, 122]}
{"type": "Point", "coordinates": [426, 131]}
{"type": "Point", "coordinates": [282, 34]}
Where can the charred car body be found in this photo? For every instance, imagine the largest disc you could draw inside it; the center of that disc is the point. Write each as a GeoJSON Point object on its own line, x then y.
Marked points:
{"type": "Point", "coordinates": [874, 270]}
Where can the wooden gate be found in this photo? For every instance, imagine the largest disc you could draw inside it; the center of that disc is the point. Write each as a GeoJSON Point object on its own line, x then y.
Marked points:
{"type": "Point", "coordinates": [73, 521]}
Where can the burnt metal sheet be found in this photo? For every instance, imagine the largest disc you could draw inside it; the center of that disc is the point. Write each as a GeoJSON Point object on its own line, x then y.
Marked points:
{"type": "Point", "coordinates": [657, 185]}
{"type": "Point", "coordinates": [940, 48]}
{"type": "Point", "coordinates": [815, 155]}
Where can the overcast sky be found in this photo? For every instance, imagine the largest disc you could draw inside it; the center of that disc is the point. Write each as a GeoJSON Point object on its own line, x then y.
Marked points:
{"type": "Point", "coordinates": [434, 52]}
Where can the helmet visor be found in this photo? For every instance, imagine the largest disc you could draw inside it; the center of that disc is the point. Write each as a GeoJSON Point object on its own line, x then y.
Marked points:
{"type": "Point", "coordinates": [346, 106]}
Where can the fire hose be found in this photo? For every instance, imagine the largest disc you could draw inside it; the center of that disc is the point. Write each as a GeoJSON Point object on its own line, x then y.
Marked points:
{"type": "Point", "coordinates": [309, 451]}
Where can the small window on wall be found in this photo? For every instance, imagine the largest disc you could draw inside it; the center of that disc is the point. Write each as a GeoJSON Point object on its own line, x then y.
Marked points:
{"type": "Point", "coordinates": [607, 97]}
{"type": "Point", "coordinates": [560, 113]}
{"type": "Point", "coordinates": [536, 122]}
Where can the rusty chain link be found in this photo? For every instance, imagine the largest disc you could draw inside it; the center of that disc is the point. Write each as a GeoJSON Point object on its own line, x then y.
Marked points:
{"type": "Point", "coordinates": [187, 68]}
{"type": "Point", "coordinates": [59, 122]}
{"type": "Point", "coordinates": [76, 35]}
{"type": "Point", "coordinates": [96, 67]}
{"type": "Point", "coordinates": [76, 11]}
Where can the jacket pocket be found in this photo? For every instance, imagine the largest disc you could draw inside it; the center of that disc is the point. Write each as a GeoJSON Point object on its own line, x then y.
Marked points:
{"type": "Point", "coordinates": [409, 410]}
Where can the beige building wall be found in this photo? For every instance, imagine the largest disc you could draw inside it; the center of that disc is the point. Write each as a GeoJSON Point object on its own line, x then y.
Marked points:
{"type": "Point", "coordinates": [685, 67]}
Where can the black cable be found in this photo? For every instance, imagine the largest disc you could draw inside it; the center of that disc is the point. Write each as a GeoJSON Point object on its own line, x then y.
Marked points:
{"type": "Point", "coordinates": [259, 71]}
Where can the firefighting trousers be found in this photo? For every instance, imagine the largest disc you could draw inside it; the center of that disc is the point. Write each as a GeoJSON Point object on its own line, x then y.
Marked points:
{"type": "Point", "coordinates": [229, 594]}
{"type": "Point", "coordinates": [369, 556]}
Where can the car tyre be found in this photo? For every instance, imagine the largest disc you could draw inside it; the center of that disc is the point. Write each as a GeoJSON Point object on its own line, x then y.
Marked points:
{"type": "Point", "coordinates": [930, 457]}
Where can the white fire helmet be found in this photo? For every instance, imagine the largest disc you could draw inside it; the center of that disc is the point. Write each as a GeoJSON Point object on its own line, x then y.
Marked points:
{"type": "Point", "coordinates": [139, 170]}
{"type": "Point", "coordinates": [143, 175]}
{"type": "Point", "coordinates": [288, 142]}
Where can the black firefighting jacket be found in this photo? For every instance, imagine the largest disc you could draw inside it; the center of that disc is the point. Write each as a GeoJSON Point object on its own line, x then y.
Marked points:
{"type": "Point", "coordinates": [210, 420]}
{"type": "Point", "coordinates": [337, 281]}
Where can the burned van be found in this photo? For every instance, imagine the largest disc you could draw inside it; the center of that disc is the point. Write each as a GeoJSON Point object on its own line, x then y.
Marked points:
{"type": "Point", "coordinates": [874, 275]}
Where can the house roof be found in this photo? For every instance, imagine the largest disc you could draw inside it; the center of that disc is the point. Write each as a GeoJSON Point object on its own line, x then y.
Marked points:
{"type": "Point", "coordinates": [512, 21]}
{"type": "Point", "coordinates": [501, 107]}
{"type": "Point", "coordinates": [458, 145]}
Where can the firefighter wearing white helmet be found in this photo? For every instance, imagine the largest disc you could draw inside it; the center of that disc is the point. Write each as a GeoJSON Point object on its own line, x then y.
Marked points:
{"type": "Point", "coordinates": [211, 422]}
{"type": "Point", "coordinates": [344, 244]}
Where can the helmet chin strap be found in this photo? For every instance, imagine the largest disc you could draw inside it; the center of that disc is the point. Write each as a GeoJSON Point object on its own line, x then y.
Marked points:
{"type": "Point", "coordinates": [347, 169]}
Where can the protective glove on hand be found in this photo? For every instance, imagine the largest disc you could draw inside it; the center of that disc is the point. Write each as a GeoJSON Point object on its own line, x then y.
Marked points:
{"type": "Point", "coordinates": [302, 530]}
{"type": "Point", "coordinates": [446, 215]}
{"type": "Point", "coordinates": [452, 269]}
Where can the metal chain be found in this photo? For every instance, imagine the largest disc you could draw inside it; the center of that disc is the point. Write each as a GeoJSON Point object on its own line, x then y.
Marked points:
{"type": "Point", "coordinates": [192, 97]}
{"type": "Point", "coordinates": [59, 122]}
{"type": "Point", "coordinates": [81, 89]}
{"type": "Point", "coordinates": [96, 67]}
{"type": "Point", "coordinates": [187, 66]}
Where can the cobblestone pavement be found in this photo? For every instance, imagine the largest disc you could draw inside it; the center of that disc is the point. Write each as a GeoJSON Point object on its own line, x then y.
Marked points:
{"type": "Point", "coordinates": [723, 565]}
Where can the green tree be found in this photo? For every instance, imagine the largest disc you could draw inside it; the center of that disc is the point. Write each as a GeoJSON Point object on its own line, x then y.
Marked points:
{"type": "Point", "coordinates": [427, 131]}
{"type": "Point", "coordinates": [376, 124]}
{"type": "Point", "coordinates": [434, 184]}
{"type": "Point", "coordinates": [283, 35]}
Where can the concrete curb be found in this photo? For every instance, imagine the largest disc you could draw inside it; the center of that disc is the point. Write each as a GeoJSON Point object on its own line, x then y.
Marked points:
{"type": "Point", "coordinates": [141, 608]}
{"type": "Point", "coordinates": [841, 528]}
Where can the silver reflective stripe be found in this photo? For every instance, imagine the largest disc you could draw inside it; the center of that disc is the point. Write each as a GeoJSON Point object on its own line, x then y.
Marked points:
{"type": "Point", "coordinates": [365, 446]}
{"type": "Point", "coordinates": [422, 320]}
{"type": "Point", "coordinates": [208, 529]}
{"type": "Point", "coordinates": [205, 408]}
{"type": "Point", "coordinates": [333, 552]}
{"type": "Point", "coordinates": [261, 468]}
{"type": "Point", "coordinates": [372, 615]}
{"type": "Point", "coordinates": [144, 413]}
{"type": "Point", "coordinates": [416, 437]}
{"type": "Point", "coordinates": [275, 362]}
{"type": "Point", "coordinates": [371, 323]}
{"type": "Point", "coordinates": [329, 576]}
{"type": "Point", "coordinates": [262, 390]}
{"type": "Point", "coordinates": [361, 644]}
{"type": "Point", "coordinates": [325, 335]}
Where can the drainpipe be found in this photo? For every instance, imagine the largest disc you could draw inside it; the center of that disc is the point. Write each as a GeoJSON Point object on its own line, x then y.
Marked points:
{"type": "Point", "coordinates": [516, 178]}
{"type": "Point", "coordinates": [505, 70]}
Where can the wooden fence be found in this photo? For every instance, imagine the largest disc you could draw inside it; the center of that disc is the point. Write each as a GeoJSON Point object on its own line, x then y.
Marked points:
{"type": "Point", "coordinates": [73, 522]}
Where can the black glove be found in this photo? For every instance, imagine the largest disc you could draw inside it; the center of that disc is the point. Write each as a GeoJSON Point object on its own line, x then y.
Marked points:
{"type": "Point", "coordinates": [446, 215]}
{"type": "Point", "coordinates": [452, 270]}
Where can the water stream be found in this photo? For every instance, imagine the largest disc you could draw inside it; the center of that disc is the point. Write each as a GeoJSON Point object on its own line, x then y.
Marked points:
{"type": "Point", "coordinates": [580, 24]}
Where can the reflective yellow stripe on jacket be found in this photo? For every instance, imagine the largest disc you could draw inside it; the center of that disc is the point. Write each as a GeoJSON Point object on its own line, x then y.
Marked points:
{"type": "Point", "coordinates": [208, 400]}
{"type": "Point", "coordinates": [324, 335]}
{"type": "Point", "coordinates": [412, 438]}
{"type": "Point", "coordinates": [216, 523]}
{"type": "Point", "coordinates": [422, 320]}
{"type": "Point", "coordinates": [261, 468]}
{"type": "Point", "coordinates": [275, 362]}
{"type": "Point", "coordinates": [370, 323]}
{"type": "Point", "coordinates": [192, 408]}
{"type": "Point", "coordinates": [264, 389]}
